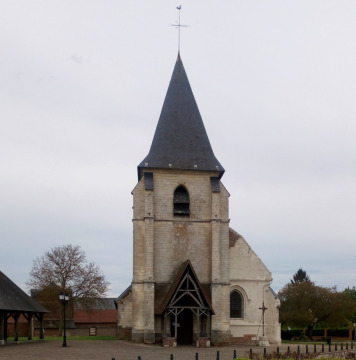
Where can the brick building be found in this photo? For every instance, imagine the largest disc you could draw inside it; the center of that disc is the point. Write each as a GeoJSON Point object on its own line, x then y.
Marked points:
{"type": "Point", "coordinates": [100, 320]}
{"type": "Point", "coordinates": [194, 278]}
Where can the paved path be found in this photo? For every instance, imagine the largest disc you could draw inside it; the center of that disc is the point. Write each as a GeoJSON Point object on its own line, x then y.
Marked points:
{"type": "Point", "coordinates": [122, 350]}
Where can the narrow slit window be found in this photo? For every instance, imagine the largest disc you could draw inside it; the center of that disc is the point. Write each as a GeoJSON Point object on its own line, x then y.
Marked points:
{"type": "Point", "coordinates": [181, 201]}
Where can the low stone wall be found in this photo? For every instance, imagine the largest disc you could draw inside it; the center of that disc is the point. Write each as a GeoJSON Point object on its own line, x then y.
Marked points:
{"type": "Point", "coordinates": [169, 342]}
{"type": "Point", "coordinates": [248, 339]}
{"type": "Point", "coordinates": [203, 342]}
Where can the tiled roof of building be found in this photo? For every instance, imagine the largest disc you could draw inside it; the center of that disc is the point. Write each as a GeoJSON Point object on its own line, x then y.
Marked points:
{"type": "Point", "coordinates": [180, 141]}
{"type": "Point", "coordinates": [95, 316]}
{"type": "Point", "coordinates": [98, 304]}
{"type": "Point", "coordinates": [12, 298]}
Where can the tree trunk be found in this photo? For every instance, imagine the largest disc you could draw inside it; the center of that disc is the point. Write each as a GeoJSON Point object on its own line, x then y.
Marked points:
{"type": "Point", "coordinates": [310, 332]}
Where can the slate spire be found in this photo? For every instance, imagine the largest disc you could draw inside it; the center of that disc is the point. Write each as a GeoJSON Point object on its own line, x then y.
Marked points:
{"type": "Point", "coordinates": [180, 140]}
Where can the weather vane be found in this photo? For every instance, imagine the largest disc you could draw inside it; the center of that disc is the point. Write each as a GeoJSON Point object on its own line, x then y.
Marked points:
{"type": "Point", "coordinates": [179, 25]}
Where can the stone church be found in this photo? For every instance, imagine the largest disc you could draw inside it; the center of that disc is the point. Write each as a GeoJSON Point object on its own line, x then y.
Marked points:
{"type": "Point", "coordinates": [194, 278]}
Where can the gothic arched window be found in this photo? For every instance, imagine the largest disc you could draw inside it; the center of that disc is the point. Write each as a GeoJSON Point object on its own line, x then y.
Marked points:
{"type": "Point", "coordinates": [181, 201]}
{"type": "Point", "coordinates": [236, 305]}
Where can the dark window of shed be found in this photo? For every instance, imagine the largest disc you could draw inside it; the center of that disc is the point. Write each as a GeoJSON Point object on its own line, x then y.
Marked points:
{"type": "Point", "coordinates": [181, 201]}
{"type": "Point", "coordinates": [235, 305]}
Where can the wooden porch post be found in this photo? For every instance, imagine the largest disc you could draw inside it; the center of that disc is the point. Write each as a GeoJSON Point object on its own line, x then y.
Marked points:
{"type": "Point", "coordinates": [2, 325]}
{"type": "Point", "coordinates": [16, 329]}
{"type": "Point", "coordinates": [41, 326]}
{"type": "Point", "coordinates": [163, 325]}
{"type": "Point", "coordinates": [175, 323]}
{"type": "Point", "coordinates": [208, 325]}
{"type": "Point", "coordinates": [198, 325]}
{"type": "Point", "coordinates": [29, 326]}
{"type": "Point", "coordinates": [5, 326]}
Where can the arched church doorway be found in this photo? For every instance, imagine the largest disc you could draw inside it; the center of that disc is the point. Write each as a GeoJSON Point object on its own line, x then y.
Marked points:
{"type": "Point", "coordinates": [184, 327]}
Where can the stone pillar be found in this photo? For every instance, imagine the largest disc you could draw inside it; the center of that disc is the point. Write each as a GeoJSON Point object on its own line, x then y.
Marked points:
{"type": "Point", "coordinates": [215, 238]}
{"type": "Point", "coordinates": [225, 284]}
{"type": "Point", "coordinates": [220, 322]}
{"type": "Point", "coordinates": [143, 320]}
{"type": "Point", "coordinates": [149, 286]}
{"type": "Point", "coordinates": [215, 266]}
{"type": "Point", "coordinates": [137, 311]}
{"type": "Point", "coordinates": [149, 316]}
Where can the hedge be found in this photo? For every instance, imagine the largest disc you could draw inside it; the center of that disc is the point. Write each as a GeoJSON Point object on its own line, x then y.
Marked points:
{"type": "Point", "coordinates": [296, 333]}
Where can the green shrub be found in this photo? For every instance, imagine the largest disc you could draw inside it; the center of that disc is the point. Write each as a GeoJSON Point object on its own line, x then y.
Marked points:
{"type": "Point", "coordinates": [341, 332]}
{"type": "Point", "coordinates": [291, 334]}
{"type": "Point", "coordinates": [318, 332]}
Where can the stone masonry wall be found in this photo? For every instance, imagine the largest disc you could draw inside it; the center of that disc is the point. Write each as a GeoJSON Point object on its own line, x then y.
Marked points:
{"type": "Point", "coordinates": [178, 238]}
{"type": "Point", "coordinates": [252, 279]}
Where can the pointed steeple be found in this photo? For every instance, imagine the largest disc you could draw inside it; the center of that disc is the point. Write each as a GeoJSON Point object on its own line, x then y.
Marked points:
{"type": "Point", "coordinates": [180, 140]}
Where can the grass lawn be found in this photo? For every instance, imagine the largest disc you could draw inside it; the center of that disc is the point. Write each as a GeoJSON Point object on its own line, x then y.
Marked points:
{"type": "Point", "coordinates": [60, 338]}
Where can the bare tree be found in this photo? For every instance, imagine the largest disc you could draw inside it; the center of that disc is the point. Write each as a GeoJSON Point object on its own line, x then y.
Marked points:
{"type": "Point", "coordinates": [65, 268]}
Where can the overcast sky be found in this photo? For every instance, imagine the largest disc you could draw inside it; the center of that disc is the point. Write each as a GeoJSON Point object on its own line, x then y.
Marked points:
{"type": "Point", "coordinates": [82, 85]}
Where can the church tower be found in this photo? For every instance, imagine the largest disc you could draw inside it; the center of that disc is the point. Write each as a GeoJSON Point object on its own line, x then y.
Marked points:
{"type": "Point", "coordinates": [180, 215]}
{"type": "Point", "coordinates": [185, 285]}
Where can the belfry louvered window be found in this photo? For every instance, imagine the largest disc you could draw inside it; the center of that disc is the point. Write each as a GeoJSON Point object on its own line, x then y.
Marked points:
{"type": "Point", "coordinates": [181, 201]}
{"type": "Point", "coordinates": [236, 305]}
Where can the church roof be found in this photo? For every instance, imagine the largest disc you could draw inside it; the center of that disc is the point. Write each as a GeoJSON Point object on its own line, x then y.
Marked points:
{"type": "Point", "coordinates": [180, 140]}
{"type": "Point", "coordinates": [12, 298]}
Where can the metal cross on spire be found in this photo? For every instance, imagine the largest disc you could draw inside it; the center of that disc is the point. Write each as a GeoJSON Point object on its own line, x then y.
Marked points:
{"type": "Point", "coordinates": [179, 25]}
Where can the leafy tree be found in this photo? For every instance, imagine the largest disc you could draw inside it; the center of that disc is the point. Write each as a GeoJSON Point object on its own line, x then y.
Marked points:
{"type": "Point", "coordinates": [351, 293]}
{"type": "Point", "coordinates": [300, 276]}
{"type": "Point", "coordinates": [66, 269]}
{"type": "Point", "coordinates": [303, 304]}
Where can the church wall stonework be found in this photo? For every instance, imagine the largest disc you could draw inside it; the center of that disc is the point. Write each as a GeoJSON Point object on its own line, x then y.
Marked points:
{"type": "Point", "coordinates": [173, 242]}
{"type": "Point", "coordinates": [179, 238]}
{"type": "Point", "coordinates": [124, 320]}
{"type": "Point", "coordinates": [250, 277]}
